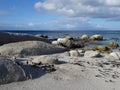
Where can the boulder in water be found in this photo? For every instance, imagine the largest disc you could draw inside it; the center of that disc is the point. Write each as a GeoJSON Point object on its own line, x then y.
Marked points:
{"type": "Point", "coordinates": [96, 37]}
{"type": "Point", "coordinates": [65, 42]}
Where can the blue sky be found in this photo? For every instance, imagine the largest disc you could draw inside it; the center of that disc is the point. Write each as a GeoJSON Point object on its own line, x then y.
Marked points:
{"type": "Point", "coordinates": [59, 14]}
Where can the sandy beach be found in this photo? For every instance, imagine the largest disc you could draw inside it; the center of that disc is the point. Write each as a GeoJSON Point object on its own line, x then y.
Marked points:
{"type": "Point", "coordinates": [74, 69]}
{"type": "Point", "coordinates": [77, 73]}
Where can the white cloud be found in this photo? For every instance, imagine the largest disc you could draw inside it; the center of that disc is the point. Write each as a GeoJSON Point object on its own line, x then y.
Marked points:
{"type": "Point", "coordinates": [37, 5]}
{"type": "Point", "coordinates": [75, 23]}
{"type": "Point", "coordinates": [30, 24]}
{"type": "Point", "coordinates": [113, 2]}
{"type": "Point", "coordinates": [82, 8]}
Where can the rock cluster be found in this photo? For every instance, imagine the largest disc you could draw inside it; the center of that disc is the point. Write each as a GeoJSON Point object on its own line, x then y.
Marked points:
{"type": "Point", "coordinates": [93, 37]}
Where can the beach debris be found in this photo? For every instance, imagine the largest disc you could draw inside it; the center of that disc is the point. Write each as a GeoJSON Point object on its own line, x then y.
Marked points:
{"type": "Point", "coordinates": [47, 68]}
{"type": "Point", "coordinates": [42, 66]}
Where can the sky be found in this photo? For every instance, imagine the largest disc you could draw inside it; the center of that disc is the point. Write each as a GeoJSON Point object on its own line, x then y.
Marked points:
{"type": "Point", "coordinates": [59, 14]}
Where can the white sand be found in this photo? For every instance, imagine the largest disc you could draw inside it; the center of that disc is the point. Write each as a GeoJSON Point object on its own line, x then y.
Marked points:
{"type": "Point", "coordinates": [70, 76]}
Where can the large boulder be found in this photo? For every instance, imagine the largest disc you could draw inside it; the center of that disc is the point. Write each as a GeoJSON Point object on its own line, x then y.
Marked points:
{"type": "Point", "coordinates": [92, 54]}
{"type": "Point", "coordinates": [28, 48]}
{"type": "Point", "coordinates": [96, 37]}
{"type": "Point", "coordinates": [10, 72]}
{"type": "Point", "coordinates": [84, 37]}
{"type": "Point", "coordinates": [113, 45]}
{"type": "Point", "coordinates": [11, 37]}
{"type": "Point", "coordinates": [45, 59]}
{"type": "Point", "coordinates": [65, 42]}
{"type": "Point", "coordinates": [115, 55]}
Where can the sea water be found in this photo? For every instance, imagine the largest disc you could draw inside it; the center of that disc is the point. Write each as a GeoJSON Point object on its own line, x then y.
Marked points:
{"type": "Point", "coordinates": [108, 35]}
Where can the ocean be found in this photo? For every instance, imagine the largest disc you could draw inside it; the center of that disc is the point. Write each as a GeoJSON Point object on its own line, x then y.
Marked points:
{"type": "Point", "coordinates": [108, 35]}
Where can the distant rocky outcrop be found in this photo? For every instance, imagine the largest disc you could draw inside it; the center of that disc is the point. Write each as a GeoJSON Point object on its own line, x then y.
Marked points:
{"type": "Point", "coordinates": [29, 48]}
{"type": "Point", "coordinates": [10, 37]}
{"type": "Point", "coordinates": [10, 72]}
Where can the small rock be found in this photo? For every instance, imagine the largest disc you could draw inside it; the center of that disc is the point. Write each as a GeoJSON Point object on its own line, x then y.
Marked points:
{"type": "Point", "coordinates": [116, 55]}
{"type": "Point", "coordinates": [74, 53]}
{"type": "Point", "coordinates": [45, 59]}
{"type": "Point", "coordinates": [92, 54]}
